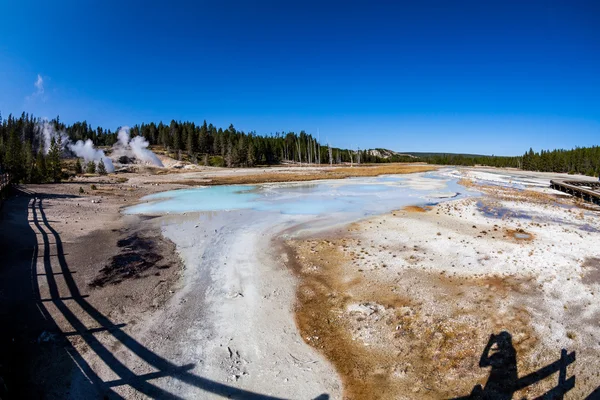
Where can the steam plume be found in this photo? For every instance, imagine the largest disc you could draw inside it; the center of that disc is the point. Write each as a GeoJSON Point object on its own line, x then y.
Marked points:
{"type": "Point", "coordinates": [88, 152]}
{"type": "Point", "coordinates": [138, 146]}
{"type": "Point", "coordinates": [48, 132]}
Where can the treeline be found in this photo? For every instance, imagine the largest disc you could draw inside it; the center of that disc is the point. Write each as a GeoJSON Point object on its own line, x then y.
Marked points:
{"type": "Point", "coordinates": [581, 160]}
{"type": "Point", "coordinates": [207, 144]}
{"type": "Point", "coordinates": [231, 147]}
{"type": "Point", "coordinates": [26, 155]}
{"type": "Point", "coordinates": [23, 151]}
{"type": "Point", "coordinates": [465, 160]}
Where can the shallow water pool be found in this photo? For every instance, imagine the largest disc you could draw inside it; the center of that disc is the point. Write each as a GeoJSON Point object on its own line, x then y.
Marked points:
{"type": "Point", "coordinates": [363, 196]}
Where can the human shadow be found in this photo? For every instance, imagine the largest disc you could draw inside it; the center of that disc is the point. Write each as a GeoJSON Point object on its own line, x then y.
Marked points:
{"type": "Point", "coordinates": [35, 217]}
{"type": "Point", "coordinates": [503, 381]}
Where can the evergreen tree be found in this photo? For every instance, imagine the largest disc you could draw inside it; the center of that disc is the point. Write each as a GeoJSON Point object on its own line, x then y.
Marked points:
{"type": "Point", "coordinates": [14, 157]}
{"type": "Point", "coordinates": [251, 154]}
{"type": "Point", "coordinates": [78, 167]}
{"type": "Point", "coordinates": [176, 135]}
{"type": "Point", "coordinates": [101, 167]}
{"type": "Point", "coordinates": [90, 167]}
{"type": "Point", "coordinates": [54, 165]}
{"type": "Point", "coordinates": [203, 139]}
{"type": "Point", "coordinates": [230, 156]}
{"type": "Point", "coordinates": [40, 163]}
{"type": "Point", "coordinates": [191, 142]}
{"type": "Point", "coordinates": [29, 163]}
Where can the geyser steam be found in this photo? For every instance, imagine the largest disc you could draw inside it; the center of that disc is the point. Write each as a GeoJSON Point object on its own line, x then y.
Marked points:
{"type": "Point", "coordinates": [88, 152]}
{"type": "Point", "coordinates": [48, 132]}
{"type": "Point", "coordinates": [138, 147]}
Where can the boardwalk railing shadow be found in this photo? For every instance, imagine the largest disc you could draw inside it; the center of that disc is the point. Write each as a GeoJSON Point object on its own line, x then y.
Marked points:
{"type": "Point", "coordinates": [504, 380]}
{"type": "Point", "coordinates": [141, 383]}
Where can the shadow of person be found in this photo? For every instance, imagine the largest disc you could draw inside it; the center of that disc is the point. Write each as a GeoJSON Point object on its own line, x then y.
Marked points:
{"type": "Point", "coordinates": [503, 380]}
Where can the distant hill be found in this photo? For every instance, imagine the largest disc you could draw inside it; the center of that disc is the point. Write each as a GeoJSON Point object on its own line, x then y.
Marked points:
{"type": "Point", "coordinates": [386, 153]}
{"type": "Point", "coordinates": [426, 155]}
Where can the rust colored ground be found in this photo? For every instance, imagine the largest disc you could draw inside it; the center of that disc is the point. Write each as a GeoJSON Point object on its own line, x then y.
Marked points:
{"type": "Point", "coordinates": [403, 346]}
{"type": "Point", "coordinates": [520, 235]}
{"type": "Point", "coordinates": [417, 209]}
{"type": "Point", "coordinates": [311, 175]}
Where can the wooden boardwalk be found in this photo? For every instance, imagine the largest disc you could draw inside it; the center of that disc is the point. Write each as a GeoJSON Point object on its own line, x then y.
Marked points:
{"type": "Point", "coordinates": [586, 190]}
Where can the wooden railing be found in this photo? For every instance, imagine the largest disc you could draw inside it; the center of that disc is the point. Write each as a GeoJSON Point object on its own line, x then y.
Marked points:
{"type": "Point", "coordinates": [586, 190]}
{"type": "Point", "coordinates": [4, 181]}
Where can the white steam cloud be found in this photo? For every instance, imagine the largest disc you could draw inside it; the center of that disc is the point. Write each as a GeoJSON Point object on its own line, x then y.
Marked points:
{"type": "Point", "coordinates": [125, 146]}
{"type": "Point", "coordinates": [48, 132]}
{"type": "Point", "coordinates": [39, 85]}
{"type": "Point", "coordinates": [138, 147]}
{"type": "Point", "coordinates": [88, 152]}
{"type": "Point", "coordinates": [39, 90]}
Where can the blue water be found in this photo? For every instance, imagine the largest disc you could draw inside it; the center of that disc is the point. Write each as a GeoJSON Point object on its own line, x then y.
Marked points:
{"type": "Point", "coordinates": [356, 195]}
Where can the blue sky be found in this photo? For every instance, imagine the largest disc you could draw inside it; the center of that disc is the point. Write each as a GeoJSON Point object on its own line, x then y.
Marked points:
{"type": "Point", "coordinates": [493, 77]}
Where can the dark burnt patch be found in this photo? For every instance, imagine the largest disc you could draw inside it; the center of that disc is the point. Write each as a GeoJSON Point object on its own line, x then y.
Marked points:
{"type": "Point", "coordinates": [139, 256]}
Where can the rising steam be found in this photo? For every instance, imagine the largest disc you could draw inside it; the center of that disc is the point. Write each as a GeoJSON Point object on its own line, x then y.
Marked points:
{"type": "Point", "coordinates": [83, 150]}
{"type": "Point", "coordinates": [88, 152]}
{"type": "Point", "coordinates": [49, 132]}
{"type": "Point", "coordinates": [138, 147]}
{"type": "Point", "coordinates": [125, 146]}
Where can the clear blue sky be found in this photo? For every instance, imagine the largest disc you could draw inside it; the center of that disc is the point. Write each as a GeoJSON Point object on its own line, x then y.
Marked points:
{"type": "Point", "coordinates": [483, 76]}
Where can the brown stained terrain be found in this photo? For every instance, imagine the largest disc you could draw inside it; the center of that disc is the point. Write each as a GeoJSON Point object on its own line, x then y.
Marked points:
{"type": "Point", "coordinates": [418, 335]}
{"type": "Point", "coordinates": [519, 234]}
{"type": "Point", "coordinates": [417, 209]}
{"type": "Point", "coordinates": [385, 304]}
{"type": "Point", "coordinates": [309, 174]}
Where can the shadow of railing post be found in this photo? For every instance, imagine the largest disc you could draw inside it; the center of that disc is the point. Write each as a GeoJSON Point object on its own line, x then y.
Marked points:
{"type": "Point", "coordinates": [126, 375]}
{"type": "Point", "coordinates": [564, 384]}
{"type": "Point", "coordinates": [508, 388]}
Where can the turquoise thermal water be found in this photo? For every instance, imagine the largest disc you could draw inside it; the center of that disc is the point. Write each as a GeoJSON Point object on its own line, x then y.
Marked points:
{"type": "Point", "coordinates": [355, 195]}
